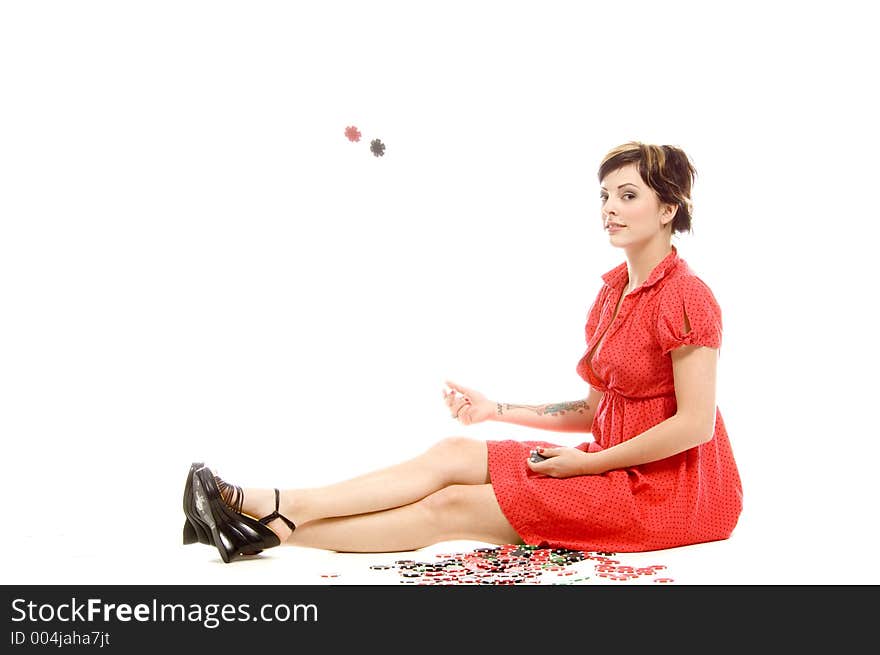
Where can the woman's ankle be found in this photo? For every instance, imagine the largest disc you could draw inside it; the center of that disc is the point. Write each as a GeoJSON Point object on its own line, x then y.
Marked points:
{"type": "Point", "coordinates": [258, 502]}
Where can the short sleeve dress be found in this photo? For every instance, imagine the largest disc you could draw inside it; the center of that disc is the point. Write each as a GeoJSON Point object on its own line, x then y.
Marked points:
{"type": "Point", "coordinates": [692, 497]}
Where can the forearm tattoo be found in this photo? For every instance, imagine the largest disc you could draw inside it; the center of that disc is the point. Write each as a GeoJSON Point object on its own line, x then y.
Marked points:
{"type": "Point", "coordinates": [555, 409]}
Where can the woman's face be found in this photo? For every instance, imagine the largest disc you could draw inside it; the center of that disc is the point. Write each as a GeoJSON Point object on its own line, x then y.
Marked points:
{"type": "Point", "coordinates": [631, 204]}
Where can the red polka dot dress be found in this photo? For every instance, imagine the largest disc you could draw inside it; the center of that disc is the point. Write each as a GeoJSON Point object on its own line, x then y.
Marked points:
{"type": "Point", "coordinates": [692, 497]}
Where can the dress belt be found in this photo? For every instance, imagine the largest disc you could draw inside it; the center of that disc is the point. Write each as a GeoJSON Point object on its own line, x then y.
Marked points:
{"type": "Point", "coordinates": [615, 392]}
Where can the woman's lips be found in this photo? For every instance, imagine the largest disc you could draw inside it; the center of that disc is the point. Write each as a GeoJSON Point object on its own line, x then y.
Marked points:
{"type": "Point", "coordinates": [615, 228]}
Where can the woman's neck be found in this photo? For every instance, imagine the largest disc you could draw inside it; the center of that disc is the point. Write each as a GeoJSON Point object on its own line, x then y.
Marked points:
{"type": "Point", "coordinates": [640, 263]}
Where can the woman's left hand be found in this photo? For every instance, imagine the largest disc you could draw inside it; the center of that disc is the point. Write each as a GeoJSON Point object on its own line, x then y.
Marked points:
{"type": "Point", "coordinates": [564, 462]}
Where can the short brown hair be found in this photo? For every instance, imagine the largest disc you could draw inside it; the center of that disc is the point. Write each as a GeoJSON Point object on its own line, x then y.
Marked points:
{"type": "Point", "coordinates": [666, 169]}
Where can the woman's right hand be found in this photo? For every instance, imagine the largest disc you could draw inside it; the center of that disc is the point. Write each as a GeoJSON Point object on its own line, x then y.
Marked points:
{"type": "Point", "coordinates": [467, 405]}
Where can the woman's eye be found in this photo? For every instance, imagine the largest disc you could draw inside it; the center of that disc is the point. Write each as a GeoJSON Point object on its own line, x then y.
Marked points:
{"type": "Point", "coordinates": [604, 197]}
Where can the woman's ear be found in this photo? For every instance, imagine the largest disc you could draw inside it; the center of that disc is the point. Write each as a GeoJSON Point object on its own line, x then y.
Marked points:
{"type": "Point", "coordinates": [669, 212]}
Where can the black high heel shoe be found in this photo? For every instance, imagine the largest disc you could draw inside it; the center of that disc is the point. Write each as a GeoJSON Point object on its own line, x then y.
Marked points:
{"type": "Point", "coordinates": [194, 531]}
{"type": "Point", "coordinates": [233, 533]}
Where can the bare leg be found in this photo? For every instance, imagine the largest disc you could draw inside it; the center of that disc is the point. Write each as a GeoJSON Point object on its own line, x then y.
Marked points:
{"type": "Point", "coordinates": [455, 512]}
{"type": "Point", "coordinates": [454, 460]}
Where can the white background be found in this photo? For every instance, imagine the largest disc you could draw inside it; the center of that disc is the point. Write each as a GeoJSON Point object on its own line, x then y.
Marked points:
{"type": "Point", "coordinates": [196, 264]}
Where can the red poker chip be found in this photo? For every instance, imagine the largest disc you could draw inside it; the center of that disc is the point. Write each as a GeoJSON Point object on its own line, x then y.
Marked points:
{"type": "Point", "coordinates": [352, 133]}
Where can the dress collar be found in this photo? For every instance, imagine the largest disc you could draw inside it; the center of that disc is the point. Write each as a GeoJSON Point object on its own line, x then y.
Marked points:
{"type": "Point", "coordinates": [617, 276]}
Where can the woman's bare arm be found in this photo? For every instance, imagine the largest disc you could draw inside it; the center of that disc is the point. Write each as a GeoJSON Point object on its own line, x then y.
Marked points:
{"type": "Point", "coordinates": [571, 416]}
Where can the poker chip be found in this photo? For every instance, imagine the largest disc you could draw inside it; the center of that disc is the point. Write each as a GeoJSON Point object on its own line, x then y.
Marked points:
{"type": "Point", "coordinates": [352, 133]}
{"type": "Point", "coordinates": [377, 148]}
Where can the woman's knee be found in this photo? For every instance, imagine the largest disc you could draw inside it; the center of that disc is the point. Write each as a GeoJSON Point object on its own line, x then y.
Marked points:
{"type": "Point", "coordinates": [463, 511]}
{"type": "Point", "coordinates": [463, 460]}
{"type": "Point", "coordinates": [454, 445]}
{"type": "Point", "coordinates": [447, 503]}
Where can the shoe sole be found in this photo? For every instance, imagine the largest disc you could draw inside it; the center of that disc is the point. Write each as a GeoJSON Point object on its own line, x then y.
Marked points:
{"type": "Point", "coordinates": [192, 531]}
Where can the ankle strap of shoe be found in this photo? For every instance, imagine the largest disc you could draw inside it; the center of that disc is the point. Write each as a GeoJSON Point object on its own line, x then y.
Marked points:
{"type": "Point", "coordinates": [275, 515]}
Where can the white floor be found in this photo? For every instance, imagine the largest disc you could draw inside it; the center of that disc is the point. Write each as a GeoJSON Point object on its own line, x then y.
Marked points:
{"type": "Point", "coordinates": [139, 557]}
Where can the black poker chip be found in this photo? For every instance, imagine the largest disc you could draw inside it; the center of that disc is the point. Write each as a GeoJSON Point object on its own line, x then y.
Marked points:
{"type": "Point", "coordinates": [377, 148]}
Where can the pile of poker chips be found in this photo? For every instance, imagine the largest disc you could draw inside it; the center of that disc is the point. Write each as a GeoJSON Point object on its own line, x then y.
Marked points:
{"type": "Point", "coordinates": [514, 564]}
